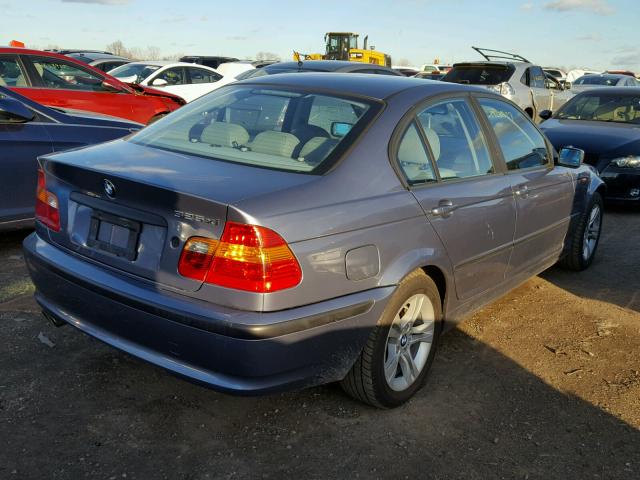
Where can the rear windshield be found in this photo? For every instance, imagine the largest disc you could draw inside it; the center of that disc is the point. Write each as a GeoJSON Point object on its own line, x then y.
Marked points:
{"type": "Point", "coordinates": [479, 74]}
{"type": "Point", "coordinates": [263, 127]}
{"type": "Point", "coordinates": [597, 80]}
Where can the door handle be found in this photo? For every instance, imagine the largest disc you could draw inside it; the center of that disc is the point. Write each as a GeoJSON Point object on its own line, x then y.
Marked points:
{"type": "Point", "coordinates": [522, 191]}
{"type": "Point", "coordinates": [444, 209]}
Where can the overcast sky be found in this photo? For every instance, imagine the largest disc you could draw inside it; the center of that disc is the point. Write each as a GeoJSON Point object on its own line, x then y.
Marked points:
{"type": "Point", "coordinates": [601, 34]}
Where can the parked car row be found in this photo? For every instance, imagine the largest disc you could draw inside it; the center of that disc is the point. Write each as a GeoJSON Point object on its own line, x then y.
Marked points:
{"type": "Point", "coordinates": [298, 223]}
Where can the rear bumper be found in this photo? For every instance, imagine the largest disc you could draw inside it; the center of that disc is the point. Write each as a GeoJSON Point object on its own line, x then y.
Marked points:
{"type": "Point", "coordinates": [229, 350]}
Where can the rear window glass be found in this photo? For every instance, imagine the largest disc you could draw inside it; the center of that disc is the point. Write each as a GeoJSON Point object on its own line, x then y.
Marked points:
{"type": "Point", "coordinates": [479, 74]}
{"type": "Point", "coordinates": [597, 80]}
{"type": "Point", "coordinates": [270, 128]}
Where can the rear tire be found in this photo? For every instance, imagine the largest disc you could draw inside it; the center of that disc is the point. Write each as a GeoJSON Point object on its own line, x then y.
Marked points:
{"type": "Point", "coordinates": [585, 238]}
{"type": "Point", "coordinates": [397, 357]}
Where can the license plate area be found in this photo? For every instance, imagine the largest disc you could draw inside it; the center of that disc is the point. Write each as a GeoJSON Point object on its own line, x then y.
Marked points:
{"type": "Point", "coordinates": [115, 235]}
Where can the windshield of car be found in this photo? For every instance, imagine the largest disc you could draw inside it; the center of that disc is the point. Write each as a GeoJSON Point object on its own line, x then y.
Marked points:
{"type": "Point", "coordinates": [263, 127]}
{"type": "Point", "coordinates": [479, 74]}
{"type": "Point", "coordinates": [602, 107]}
{"type": "Point", "coordinates": [139, 71]}
{"type": "Point", "coordinates": [597, 80]}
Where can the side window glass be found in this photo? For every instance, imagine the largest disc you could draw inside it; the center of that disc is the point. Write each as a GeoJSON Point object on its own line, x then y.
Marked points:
{"type": "Point", "coordinates": [522, 145]}
{"type": "Point", "coordinates": [199, 75]}
{"type": "Point", "coordinates": [173, 76]}
{"type": "Point", "coordinates": [56, 73]}
{"type": "Point", "coordinates": [456, 140]}
{"type": "Point", "coordinates": [537, 77]}
{"type": "Point", "coordinates": [11, 75]}
{"type": "Point", "coordinates": [413, 158]}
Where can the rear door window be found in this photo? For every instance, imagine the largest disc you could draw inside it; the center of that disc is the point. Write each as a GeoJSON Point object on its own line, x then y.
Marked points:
{"type": "Point", "coordinates": [413, 158]}
{"type": "Point", "coordinates": [536, 77]}
{"type": "Point", "coordinates": [55, 73]}
{"type": "Point", "coordinates": [522, 145]}
{"type": "Point", "coordinates": [456, 140]}
{"type": "Point", "coordinates": [200, 75]}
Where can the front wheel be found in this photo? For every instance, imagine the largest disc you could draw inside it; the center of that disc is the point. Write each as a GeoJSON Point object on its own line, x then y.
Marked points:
{"type": "Point", "coordinates": [584, 240]}
{"type": "Point", "coordinates": [399, 352]}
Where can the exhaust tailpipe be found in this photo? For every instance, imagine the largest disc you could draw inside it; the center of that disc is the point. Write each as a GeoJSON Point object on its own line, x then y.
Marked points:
{"type": "Point", "coordinates": [54, 320]}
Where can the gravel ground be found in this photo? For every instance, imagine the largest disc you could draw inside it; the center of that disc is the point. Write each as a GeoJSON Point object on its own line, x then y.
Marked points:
{"type": "Point", "coordinates": [544, 383]}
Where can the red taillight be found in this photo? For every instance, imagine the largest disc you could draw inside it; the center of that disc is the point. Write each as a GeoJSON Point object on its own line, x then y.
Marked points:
{"type": "Point", "coordinates": [248, 257]}
{"type": "Point", "coordinates": [46, 205]}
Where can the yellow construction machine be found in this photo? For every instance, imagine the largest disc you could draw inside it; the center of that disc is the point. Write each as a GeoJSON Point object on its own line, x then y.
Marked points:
{"type": "Point", "coordinates": [344, 46]}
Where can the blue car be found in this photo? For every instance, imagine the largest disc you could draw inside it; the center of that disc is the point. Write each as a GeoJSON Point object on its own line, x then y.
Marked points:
{"type": "Point", "coordinates": [27, 130]}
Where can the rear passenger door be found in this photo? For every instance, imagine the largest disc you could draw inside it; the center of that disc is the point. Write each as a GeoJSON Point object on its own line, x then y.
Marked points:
{"type": "Point", "coordinates": [544, 194]}
{"type": "Point", "coordinates": [445, 158]}
{"type": "Point", "coordinates": [541, 94]}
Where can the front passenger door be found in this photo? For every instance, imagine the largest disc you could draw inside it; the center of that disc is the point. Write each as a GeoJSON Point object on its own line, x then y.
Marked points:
{"type": "Point", "coordinates": [543, 194]}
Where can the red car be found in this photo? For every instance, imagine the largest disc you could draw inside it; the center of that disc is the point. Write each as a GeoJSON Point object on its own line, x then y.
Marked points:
{"type": "Point", "coordinates": [59, 81]}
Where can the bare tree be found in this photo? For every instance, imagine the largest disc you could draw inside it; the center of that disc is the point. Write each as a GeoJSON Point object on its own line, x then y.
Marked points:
{"type": "Point", "coordinates": [152, 53]}
{"type": "Point", "coordinates": [403, 62]}
{"type": "Point", "coordinates": [118, 48]}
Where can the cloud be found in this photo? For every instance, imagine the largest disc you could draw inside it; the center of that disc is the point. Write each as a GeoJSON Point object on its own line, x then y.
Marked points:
{"type": "Point", "coordinates": [600, 7]}
{"type": "Point", "coordinates": [526, 7]}
{"type": "Point", "coordinates": [99, 2]}
{"type": "Point", "coordinates": [590, 37]}
{"type": "Point", "coordinates": [238, 38]}
{"type": "Point", "coordinates": [627, 59]}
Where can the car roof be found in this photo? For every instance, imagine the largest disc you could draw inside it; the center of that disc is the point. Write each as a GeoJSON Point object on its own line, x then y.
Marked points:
{"type": "Point", "coordinates": [629, 91]}
{"type": "Point", "coordinates": [378, 87]}
{"type": "Point", "coordinates": [323, 65]}
{"type": "Point", "coordinates": [95, 56]}
{"type": "Point", "coordinates": [169, 63]}
{"type": "Point", "coordinates": [617, 76]}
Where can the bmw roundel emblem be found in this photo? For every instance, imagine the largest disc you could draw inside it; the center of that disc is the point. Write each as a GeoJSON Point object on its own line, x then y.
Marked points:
{"type": "Point", "coordinates": [109, 188]}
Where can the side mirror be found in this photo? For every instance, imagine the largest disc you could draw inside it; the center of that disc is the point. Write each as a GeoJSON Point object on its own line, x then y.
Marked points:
{"type": "Point", "coordinates": [13, 111]}
{"type": "Point", "coordinates": [545, 114]}
{"type": "Point", "coordinates": [110, 87]}
{"type": "Point", "coordinates": [567, 85]}
{"type": "Point", "coordinates": [159, 82]}
{"type": "Point", "coordinates": [570, 157]}
{"type": "Point", "coordinates": [340, 129]}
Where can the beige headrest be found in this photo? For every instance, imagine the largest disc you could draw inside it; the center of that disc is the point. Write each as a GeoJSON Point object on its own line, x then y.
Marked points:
{"type": "Point", "coordinates": [275, 143]}
{"type": "Point", "coordinates": [225, 134]}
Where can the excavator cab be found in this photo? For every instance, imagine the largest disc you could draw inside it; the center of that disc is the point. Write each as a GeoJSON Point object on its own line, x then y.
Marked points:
{"type": "Point", "coordinates": [338, 45]}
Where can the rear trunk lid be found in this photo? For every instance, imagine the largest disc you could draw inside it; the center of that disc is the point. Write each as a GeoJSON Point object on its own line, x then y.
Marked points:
{"type": "Point", "coordinates": [133, 207]}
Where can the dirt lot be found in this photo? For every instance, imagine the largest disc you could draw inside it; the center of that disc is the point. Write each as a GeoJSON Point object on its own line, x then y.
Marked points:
{"type": "Point", "coordinates": [544, 383]}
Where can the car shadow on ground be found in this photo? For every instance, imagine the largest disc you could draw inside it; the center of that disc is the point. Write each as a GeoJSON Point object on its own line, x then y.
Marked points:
{"type": "Point", "coordinates": [72, 407]}
{"type": "Point", "coordinates": [614, 276]}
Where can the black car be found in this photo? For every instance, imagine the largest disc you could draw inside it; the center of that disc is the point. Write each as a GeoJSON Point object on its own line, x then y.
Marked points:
{"type": "Point", "coordinates": [338, 66]}
{"type": "Point", "coordinates": [605, 123]}
{"type": "Point", "coordinates": [212, 61]}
